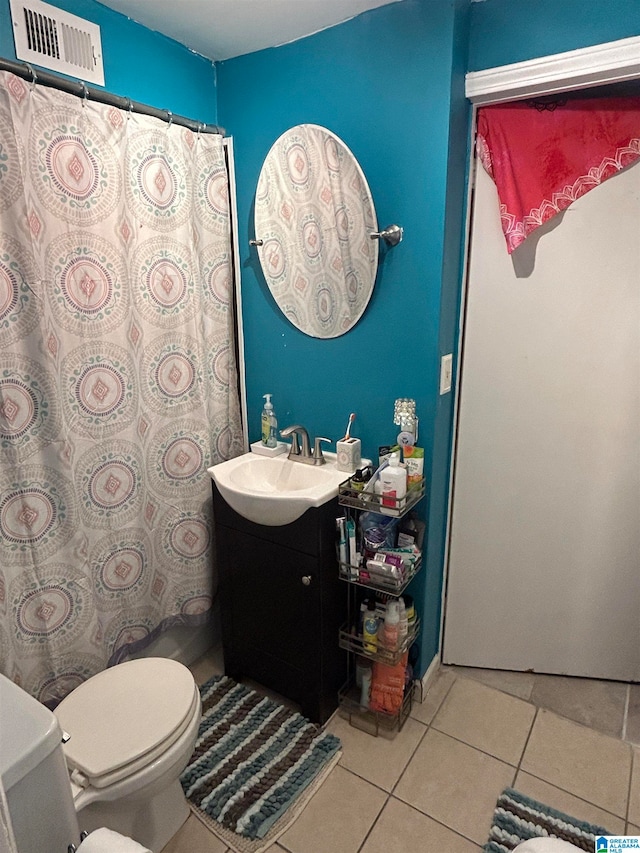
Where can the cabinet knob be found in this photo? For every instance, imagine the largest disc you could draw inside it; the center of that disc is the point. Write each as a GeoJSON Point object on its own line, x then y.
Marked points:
{"type": "Point", "coordinates": [306, 580]}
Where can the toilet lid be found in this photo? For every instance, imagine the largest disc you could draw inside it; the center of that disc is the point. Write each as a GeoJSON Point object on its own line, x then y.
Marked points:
{"type": "Point", "coordinates": [127, 712]}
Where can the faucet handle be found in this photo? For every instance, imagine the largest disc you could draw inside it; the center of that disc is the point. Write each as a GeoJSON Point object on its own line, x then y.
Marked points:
{"type": "Point", "coordinates": [317, 449]}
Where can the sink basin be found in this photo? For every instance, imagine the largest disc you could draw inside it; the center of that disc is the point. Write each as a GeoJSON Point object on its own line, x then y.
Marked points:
{"type": "Point", "coordinates": [274, 490]}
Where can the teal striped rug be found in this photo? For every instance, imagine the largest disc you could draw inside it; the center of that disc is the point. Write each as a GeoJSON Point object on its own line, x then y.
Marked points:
{"type": "Point", "coordinates": [518, 818]}
{"type": "Point", "coordinates": [253, 759]}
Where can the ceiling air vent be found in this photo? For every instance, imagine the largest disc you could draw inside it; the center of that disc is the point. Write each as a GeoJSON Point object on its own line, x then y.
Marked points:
{"type": "Point", "coordinates": [54, 39]}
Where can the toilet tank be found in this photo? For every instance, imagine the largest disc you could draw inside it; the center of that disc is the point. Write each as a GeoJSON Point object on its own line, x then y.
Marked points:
{"type": "Point", "coordinates": [33, 774]}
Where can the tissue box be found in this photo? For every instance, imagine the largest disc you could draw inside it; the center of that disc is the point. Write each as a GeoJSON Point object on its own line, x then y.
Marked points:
{"type": "Point", "coordinates": [348, 455]}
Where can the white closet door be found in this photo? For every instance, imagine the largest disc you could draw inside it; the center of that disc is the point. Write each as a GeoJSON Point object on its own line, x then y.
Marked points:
{"type": "Point", "coordinates": [544, 567]}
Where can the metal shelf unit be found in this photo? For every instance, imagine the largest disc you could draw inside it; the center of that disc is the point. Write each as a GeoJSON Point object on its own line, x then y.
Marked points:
{"type": "Point", "coordinates": [372, 721]}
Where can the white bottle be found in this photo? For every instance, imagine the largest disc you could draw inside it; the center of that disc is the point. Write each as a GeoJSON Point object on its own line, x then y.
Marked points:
{"type": "Point", "coordinates": [391, 627]}
{"type": "Point", "coordinates": [393, 485]}
{"type": "Point", "coordinates": [268, 423]}
{"type": "Point", "coordinates": [403, 624]}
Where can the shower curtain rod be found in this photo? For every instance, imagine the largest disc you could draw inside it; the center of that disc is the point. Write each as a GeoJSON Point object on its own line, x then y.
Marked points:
{"type": "Point", "coordinates": [79, 88]}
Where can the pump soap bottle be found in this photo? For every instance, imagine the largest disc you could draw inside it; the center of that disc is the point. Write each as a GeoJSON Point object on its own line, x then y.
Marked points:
{"type": "Point", "coordinates": [393, 486]}
{"type": "Point", "coordinates": [269, 424]}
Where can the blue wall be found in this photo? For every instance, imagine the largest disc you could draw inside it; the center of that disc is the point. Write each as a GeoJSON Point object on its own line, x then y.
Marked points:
{"type": "Point", "coordinates": [505, 31]}
{"type": "Point", "coordinates": [387, 83]}
{"type": "Point", "coordinates": [390, 84]}
{"type": "Point", "coordinates": [138, 63]}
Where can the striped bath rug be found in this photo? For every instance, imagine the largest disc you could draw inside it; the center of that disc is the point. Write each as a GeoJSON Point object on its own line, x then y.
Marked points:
{"type": "Point", "coordinates": [255, 765]}
{"type": "Point", "coordinates": [518, 818]}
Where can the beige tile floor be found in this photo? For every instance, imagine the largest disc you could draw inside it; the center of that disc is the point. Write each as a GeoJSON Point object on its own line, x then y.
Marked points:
{"type": "Point", "coordinates": [566, 742]}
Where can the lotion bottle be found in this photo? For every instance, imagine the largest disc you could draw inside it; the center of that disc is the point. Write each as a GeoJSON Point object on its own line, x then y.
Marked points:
{"type": "Point", "coordinates": [390, 629]}
{"type": "Point", "coordinates": [370, 628]}
{"type": "Point", "coordinates": [393, 484]}
{"type": "Point", "coordinates": [403, 624]}
{"type": "Point", "coordinates": [269, 424]}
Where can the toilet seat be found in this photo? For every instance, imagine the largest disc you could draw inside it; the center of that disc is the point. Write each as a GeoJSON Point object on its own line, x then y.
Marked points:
{"type": "Point", "coordinates": [124, 718]}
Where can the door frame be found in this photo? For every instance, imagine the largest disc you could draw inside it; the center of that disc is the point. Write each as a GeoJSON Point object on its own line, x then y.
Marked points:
{"type": "Point", "coordinates": [601, 64]}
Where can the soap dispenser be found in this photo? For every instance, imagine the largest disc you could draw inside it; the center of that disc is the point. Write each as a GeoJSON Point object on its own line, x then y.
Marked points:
{"type": "Point", "coordinates": [269, 424]}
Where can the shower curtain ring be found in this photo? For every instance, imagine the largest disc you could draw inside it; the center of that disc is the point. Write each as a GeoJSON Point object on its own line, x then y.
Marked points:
{"type": "Point", "coordinates": [170, 114]}
{"type": "Point", "coordinates": [85, 93]}
{"type": "Point", "coordinates": [34, 76]}
{"type": "Point", "coordinates": [129, 108]}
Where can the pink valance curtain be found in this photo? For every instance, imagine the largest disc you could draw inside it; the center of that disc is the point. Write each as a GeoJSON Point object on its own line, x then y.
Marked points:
{"type": "Point", "coordinates": [542, 157]}
{"type": "Point", "coordinates": [118, 380]}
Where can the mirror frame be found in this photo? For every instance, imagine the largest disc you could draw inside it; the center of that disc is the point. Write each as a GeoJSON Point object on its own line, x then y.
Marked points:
{"type": "Point", "coordinates": [314, 216]}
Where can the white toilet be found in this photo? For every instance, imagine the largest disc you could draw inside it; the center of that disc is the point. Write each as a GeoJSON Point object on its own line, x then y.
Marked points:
{"type": "Point", "coordinates": [131, 732]}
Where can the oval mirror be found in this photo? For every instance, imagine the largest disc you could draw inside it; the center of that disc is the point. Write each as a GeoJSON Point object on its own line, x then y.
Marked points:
{"type": "Point", "coordinates": [313, 218]}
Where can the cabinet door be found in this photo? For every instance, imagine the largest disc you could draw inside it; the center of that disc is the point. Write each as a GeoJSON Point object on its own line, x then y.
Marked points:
{"type": "Point", "coordinates": [270, 599]}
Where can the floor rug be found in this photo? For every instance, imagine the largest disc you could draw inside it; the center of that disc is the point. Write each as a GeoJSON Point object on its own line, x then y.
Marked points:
{"type": "Point", "coordinates": [518, 818]}
{"type": "Point", "coordinates": [255, 766]}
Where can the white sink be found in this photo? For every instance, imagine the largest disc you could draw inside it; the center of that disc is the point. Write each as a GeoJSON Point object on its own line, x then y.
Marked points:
{"type": "Point", "coordinates": [274, 490]}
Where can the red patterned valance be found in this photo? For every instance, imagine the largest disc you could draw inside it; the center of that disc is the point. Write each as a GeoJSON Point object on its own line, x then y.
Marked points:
{"type": "Point", "coordinates": [543, 157]}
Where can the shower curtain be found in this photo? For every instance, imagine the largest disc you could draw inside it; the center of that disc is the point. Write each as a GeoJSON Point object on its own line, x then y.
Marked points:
{"type": "Point", "coordinates": [118, 380]}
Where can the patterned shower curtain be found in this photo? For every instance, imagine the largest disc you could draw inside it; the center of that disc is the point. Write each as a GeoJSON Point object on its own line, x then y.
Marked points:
{"type": "Point", "coordinates": [118, 380]}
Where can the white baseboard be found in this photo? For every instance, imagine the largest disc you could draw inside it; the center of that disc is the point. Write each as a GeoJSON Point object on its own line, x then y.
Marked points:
{"type": "Point", "coordinates": [421, 685]}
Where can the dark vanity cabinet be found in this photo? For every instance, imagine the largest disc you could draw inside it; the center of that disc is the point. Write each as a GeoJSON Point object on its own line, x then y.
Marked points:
{"type": "Point", "coordinates": [282, 605]}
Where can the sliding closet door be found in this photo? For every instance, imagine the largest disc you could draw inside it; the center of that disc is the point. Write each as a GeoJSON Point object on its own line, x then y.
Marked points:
{"type": "Point", "coordinates": [544, 568]}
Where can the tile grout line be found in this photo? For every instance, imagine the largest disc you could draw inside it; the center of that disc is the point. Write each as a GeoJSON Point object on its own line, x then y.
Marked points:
{"type": "Point", "coordinates": [476, 748]}
{"type": "Point", "coordinates": [431, 725]}
{"type": "Point", "coordinates": [550, 708]}
{"type": "Point", "coordinates": [436, 820]}
{"type": "Point", "coordinates": [546, 781]}
{"type": "Point", "coordinates": [390, 794]}
{"type": "Point", "coordinates": [633, 767]}
{"type": "Point", "coordinates": [519, 768]}
{"type": "Point", "coordinates": [574, 795]}
{"type": "Point", "coordinates": [410, 805]}
{"type": "Point", "coordinates": [393, 787]}
{"type": "Point", "coordinates": [376, 784]}
{"type": "Point", "coordinates": [377, 818]}
{"type": "Point", "coordinates": [526, 744]}
{"type": "Point", "coordinates": [408, 761]}
{"type": "Point", "coordinates": [627, 722]}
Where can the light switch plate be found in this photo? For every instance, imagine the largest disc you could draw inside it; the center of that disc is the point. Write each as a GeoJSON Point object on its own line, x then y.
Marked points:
{"type": "Point", "coordinates": [446, 369]}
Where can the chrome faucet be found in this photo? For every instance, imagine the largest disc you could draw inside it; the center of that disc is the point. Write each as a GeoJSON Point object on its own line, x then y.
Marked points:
{"type": "Point", "coordinates": [304, 454]}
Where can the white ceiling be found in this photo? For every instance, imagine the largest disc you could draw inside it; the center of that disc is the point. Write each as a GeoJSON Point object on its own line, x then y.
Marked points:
{"type": "Point", "coordinates": [221, 29]}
